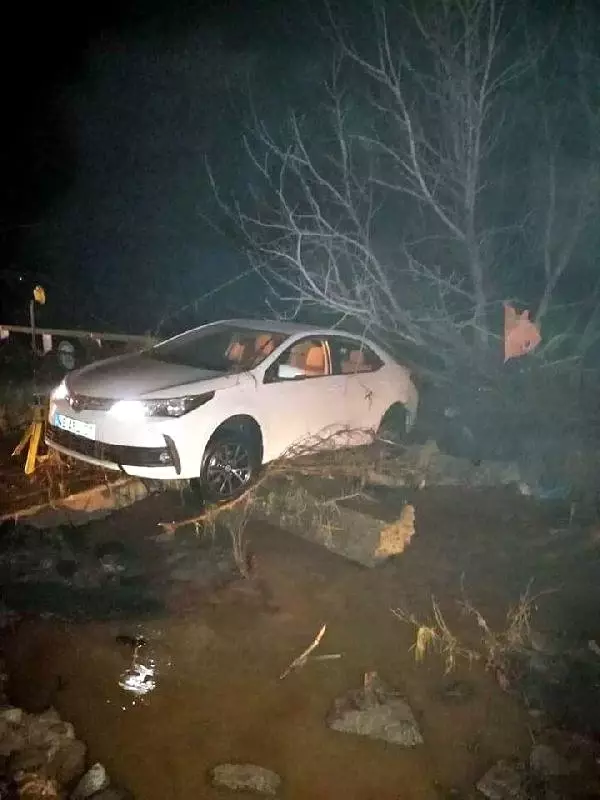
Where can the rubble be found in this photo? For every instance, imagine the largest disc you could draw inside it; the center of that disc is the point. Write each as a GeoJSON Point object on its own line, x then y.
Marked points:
{"type": "Point", "coordinates": [246, 778]}
{"type": "Point", "coordinates": [377, 712]}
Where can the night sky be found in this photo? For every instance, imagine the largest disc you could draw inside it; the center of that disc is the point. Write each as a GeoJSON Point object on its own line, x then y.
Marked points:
{"type": "Point", "coordinates": [111, 117]}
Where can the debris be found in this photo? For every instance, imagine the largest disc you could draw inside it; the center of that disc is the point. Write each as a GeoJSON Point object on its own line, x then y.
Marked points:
{"type": "Point", "coordinates": [394, 537]}
{"type": "Point", "coordinates": [503, 781]}
{"type": "Point", "coordinates": [246, 777]}
{"type": "Point", "coordinates": [377, 712]}
{"type": "Point", "coordinates": [94, 780]}
{"type": "Point", "coordinates": [547, 763]}
{"type": "Point", "coordinates": [304, 509]}
{"type": "Point", "coordinates": [299, 662]}
{"type": "Point", "coordinates": [140, 678]}
{"type": "Point", "coordinates": [12, 714]}
{"type": "Point", "coordinates": [68, 763]}
{"type": "Point", "coordinates": [521, 335]}
{"type": "Point", "coordinates": [594, 647]}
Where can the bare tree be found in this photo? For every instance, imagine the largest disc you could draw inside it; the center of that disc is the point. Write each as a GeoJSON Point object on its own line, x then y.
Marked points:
{"type": "Point", "coordinates": [386, 208]}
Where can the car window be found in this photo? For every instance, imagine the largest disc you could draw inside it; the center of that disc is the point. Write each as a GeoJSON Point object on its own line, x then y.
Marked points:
{"type": "Point", "coordinates": [350, 356]}
{"type": "Point", "coordinates": [307, 358]}
{"type": "Point", "coordinates": [220, 350]}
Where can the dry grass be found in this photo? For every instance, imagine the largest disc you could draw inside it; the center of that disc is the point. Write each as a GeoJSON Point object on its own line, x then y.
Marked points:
{"type": "Point", "coordinates": [436, 636]}
{"type": "Point", "coordinates": [496, 649]}
{"type": "Point", "coordinates": [308, 459]}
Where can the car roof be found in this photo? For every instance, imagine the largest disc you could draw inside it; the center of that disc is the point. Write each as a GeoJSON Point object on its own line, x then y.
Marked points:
{"type": "Point", "coordinates": [277, 326]}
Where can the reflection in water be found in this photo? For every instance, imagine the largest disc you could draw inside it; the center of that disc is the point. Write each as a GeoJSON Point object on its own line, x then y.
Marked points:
{"type": "Point", "coordinates": [141, 677]}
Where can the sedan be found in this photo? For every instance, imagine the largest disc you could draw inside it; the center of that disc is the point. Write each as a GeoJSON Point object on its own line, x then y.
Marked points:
{"type": "Point", "coordinates": [217, 402]}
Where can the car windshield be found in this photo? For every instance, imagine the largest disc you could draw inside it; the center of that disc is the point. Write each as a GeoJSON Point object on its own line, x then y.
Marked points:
{"type": "Point", "coordinates": [221, 349]}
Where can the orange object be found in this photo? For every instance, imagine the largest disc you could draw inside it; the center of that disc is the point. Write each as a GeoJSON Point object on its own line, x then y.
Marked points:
{"type": "Point", "coordinates": [521, 335]}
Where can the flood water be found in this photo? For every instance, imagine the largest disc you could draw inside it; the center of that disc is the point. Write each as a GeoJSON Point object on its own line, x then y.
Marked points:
{"type": "Point", "coordinates": [219, 654]}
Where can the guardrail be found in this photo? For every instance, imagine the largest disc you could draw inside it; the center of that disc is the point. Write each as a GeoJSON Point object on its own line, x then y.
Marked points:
{"type": "Point", "coordinates": [72, 347]}
{"type": "Point", "coordinates": [76, 334]}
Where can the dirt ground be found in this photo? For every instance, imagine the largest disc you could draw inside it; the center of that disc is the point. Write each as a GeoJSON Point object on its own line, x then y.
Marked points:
{"type": "Point", "coordinates": [219, 648]}
{"type": "Point", "coordinates": [53, 478]}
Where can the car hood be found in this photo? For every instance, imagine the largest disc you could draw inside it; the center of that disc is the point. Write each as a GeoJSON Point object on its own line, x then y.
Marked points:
{"type": "Point", "coordinates": [139, 376]}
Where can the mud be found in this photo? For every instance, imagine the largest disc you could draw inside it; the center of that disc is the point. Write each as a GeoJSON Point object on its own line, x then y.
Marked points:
{"type": "Point", "coordinates": [219, 643]}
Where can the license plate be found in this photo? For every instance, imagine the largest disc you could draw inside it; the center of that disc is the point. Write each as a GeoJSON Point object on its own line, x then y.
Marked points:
{"type": "Point", "coordinates": [76, 426]}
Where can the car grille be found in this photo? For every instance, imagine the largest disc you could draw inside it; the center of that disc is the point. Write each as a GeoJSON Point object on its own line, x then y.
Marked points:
{"type": "Point", "coordinates": [82, 402]}
{"type": "Point", "coordinates": [112, 453]}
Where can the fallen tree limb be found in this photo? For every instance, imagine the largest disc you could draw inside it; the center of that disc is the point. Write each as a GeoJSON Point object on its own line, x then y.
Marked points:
{"type": "Point", "coordinates": [303, 657]}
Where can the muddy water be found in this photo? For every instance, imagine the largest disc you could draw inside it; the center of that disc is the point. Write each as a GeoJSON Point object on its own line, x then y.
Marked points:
{"type": "Point", "coordinates": [219, 697]}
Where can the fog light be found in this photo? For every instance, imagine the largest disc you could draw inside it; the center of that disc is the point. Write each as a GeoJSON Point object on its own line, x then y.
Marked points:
{"type": "Point", "coordinates": [164, 458]}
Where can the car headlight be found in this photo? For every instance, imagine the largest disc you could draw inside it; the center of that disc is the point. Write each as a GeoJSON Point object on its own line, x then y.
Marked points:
{"type": "Point", "coordinates": [60, 392]}
{"type": "Point", "coordinates": [169, 407]}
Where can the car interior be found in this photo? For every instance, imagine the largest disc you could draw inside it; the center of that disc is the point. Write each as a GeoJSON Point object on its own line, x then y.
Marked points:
{"type": "Point", "coordinates": [310, 356]}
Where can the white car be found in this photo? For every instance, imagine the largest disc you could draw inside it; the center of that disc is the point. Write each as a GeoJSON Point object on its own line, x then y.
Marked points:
{"type": "Point", "coordinates": [217, 402]}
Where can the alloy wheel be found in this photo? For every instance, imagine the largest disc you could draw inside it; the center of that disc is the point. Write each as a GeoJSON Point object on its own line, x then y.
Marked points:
{"type": "Point", "coordinates": [229, 470]}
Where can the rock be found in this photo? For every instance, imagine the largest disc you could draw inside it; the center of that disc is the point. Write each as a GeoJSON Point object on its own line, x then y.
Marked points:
{"type": "Point", "coordinates": [12, 714]}
{"type": "Point", "coordinates": [246, 777]}
{"type": "Point", "coordinates": [94, 780]}
{"type": "Point", "coordinates": [29, 759]}
{"type": "Point", "coordinates": [67, 764]}
{"type": "Point", "coordinates": [503, 781]}
{"type": "Point", "coordinates": [44, 732]}
{"type": "Point", "coordinates": [377, 712]}
{"type": "Point", "coordinates": [547, 762]}
{"type": "Point", "coordinates": [50, 716]}
{"type": "Point", "coordinates": [12, 739]}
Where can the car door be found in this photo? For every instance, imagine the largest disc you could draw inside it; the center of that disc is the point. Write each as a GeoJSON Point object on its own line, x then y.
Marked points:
{"type": "Point", "coordinates": [360, 371]}
{"type": "Point", "coordinates": [300, 399]}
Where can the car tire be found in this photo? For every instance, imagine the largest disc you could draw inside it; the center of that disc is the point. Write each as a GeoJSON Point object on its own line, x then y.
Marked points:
{"type": "Point", "coordinates": [393, 426]}
{"type": "Point", "coordinates": [230, 466]}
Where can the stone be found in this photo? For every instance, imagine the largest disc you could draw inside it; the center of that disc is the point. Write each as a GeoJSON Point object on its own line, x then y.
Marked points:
{"type": "Point", "coordinates": [503, 781]}
{"type": "Point", "coordinates": [49, 716]}
{"type": "Point", "coordinates": [94, 780]}
{"type": "Point", "coordinates": [12, 739]}
{"type": "Point", "coordinates": [12, 714]}
{"type": "Point", "coordinates": [67, 764]}
{"type": "Point", "coordinates": [29, 759]}
{"type": "Point", "coordinates": [547, 762]}
{"type": "Point", "coordinates": [44, 731]}
{"type": "Point", "coordinates": [377, 712]}
{"type": "Point", "coordinates": [246, 777]}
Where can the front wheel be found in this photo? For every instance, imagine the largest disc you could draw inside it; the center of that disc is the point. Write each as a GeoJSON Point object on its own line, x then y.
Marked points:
{"type": "Point", "coordinates": [230, 465]}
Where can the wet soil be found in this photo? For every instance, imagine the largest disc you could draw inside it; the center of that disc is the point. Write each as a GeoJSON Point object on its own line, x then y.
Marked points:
{"type": "Point", "coordinates": [221, 643]}
{"type": "Point", "coordinates": [53, 478]}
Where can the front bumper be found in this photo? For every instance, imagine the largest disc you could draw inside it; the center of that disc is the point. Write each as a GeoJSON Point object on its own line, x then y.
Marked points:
{"type": "Point", "coordinates": [156, 462]}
